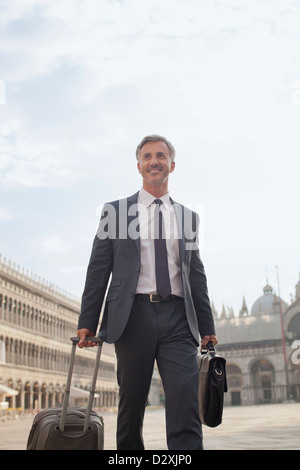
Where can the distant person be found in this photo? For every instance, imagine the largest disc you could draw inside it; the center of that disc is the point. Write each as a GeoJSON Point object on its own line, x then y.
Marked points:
{"type": "Point", "coordinates": [157, 302]}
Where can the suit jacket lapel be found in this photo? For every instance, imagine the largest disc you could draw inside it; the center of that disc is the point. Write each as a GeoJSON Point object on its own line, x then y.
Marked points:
{"type": "Point", "coordinates": [178, 209]}
{"type": "Point", "coordinates": [132, 220]}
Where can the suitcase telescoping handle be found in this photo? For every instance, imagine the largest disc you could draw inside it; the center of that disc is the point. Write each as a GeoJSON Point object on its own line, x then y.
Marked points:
{"type": "Point", "coordinates": [75, 341]}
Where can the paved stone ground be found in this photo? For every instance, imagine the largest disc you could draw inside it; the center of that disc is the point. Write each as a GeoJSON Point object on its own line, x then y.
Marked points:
{"type": "Point", "coordinates": [264, 427]}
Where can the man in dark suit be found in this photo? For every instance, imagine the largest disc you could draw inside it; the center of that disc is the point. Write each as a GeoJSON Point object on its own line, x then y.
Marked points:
{"type": "Point", "coordinates": [145, 266]}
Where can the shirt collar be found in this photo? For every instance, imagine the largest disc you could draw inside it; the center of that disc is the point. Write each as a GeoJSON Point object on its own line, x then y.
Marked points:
{"type": "Point", "coordinates": [147, 198]}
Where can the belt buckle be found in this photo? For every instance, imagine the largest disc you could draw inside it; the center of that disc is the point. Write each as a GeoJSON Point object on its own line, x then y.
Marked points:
{"type": "Point", "coordinates": [153, 301]}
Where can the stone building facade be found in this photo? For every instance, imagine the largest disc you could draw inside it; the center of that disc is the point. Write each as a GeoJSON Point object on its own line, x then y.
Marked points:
{"type": "Point", "coordinates": [261, 346]}
{"type": "Point", "coordinates": [262, 349]}
{"type": "Point", "coordinates": [36, 323]}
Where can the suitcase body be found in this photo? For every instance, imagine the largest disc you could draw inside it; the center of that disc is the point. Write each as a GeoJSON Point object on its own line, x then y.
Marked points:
{"type": "Point", "coordinates": [69, 428]}
{"type": "Point", "coordinates": [212, 385]}
{"type": "Point", "coordinates": [45, 433]}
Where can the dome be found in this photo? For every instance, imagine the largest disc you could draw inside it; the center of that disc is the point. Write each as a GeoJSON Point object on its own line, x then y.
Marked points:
{"type": "Point", "coordinates": [267, 303]}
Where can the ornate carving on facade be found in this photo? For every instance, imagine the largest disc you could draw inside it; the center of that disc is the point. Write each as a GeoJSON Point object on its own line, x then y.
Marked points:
{"type": "Point", "coordinates": [255, 351]}
{"type": "Point", "coordinates": [37, 319]}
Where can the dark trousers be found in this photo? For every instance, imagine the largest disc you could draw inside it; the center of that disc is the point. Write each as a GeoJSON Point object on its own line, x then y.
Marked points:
{"type": "Point", "coordinates": [158, 331]}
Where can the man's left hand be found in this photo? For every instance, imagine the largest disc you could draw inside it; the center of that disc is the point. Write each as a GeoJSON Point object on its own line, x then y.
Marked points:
{"type": "Point", "coordinates": [206, 339]}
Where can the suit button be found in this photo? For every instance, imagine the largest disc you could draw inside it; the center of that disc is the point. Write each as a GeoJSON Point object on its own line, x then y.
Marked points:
{"type": "Point", "coordinates": [138, 268]}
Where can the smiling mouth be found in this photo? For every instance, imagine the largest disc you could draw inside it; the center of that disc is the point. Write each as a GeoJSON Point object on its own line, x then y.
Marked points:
{"type": "Point", "coordinates": [154, 170]}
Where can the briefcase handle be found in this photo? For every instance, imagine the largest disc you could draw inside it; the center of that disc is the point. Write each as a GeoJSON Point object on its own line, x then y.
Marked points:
{"type": "Point", "coordinates": [209, 348]}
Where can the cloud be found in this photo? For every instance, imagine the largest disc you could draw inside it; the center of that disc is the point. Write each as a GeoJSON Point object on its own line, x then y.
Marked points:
{"type": "Point", "coordinates": [5, 214]}
{"type": "Point", "coordinates": [55, 244]}
{"type": "Point", "coordinates": [86, 80]}
{"type": "Point", "coordinates": [131, 39]}
{"type": "Point", "coordinates": [33, 159]}
{"type": "Point", "coordinates": [93, 76]}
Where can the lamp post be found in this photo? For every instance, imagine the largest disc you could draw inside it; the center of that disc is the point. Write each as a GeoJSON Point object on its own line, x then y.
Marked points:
{"type": "Point", "coordinates": [283, 339]}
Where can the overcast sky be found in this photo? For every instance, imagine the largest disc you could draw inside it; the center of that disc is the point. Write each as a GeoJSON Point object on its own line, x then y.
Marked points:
{"type": "Point", "coordinates": [83, 81]}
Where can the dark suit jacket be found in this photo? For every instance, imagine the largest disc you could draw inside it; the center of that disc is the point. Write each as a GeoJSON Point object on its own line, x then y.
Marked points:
{"type": "Point", "coordinates": [116, 253]}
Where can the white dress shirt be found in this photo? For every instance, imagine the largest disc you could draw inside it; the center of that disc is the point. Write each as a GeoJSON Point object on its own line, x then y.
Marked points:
{"type": "Point", "coordinates": [147, 280]}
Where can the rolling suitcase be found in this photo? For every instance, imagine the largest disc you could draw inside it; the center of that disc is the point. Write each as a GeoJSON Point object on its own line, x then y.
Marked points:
{"type": "Point", "coordinates": [69, 428]}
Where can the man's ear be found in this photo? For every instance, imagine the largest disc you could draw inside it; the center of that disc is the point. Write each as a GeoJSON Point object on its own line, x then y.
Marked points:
{"type": "Point", "coordinates": [138, 167]}
{"type": "Point", "coordinates": [172, 167]}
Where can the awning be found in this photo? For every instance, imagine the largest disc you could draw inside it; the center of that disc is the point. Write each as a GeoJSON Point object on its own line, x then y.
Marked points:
{"type": "Point", "coordinates": [8, 392]}
{"type": "Point", "coordinates": [76, 392]}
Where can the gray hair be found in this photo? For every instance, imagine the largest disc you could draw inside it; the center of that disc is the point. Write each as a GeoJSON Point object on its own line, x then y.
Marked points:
{"type": "Point", "coordinates": [155, 138]}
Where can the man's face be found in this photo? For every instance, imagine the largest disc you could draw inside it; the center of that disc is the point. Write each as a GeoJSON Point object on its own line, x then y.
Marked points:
{"type": "Point", "coordinates": [154, 163]}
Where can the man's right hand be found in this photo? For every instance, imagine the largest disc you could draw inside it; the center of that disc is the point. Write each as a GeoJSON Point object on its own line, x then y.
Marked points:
{"type": "Point", "coordinates": [83, 333]}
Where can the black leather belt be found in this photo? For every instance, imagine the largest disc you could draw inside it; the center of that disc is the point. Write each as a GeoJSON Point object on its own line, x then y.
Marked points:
{"type": "Point", "coordinates": [158, 298]}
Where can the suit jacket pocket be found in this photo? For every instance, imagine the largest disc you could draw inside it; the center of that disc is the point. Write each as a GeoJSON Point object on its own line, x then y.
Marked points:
{"type": "Point", "coordinates": [112, 296]}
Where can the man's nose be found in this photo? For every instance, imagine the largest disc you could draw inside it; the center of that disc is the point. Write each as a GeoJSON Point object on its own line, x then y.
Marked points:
{"type": "Point", "coordinates": [154, 161]}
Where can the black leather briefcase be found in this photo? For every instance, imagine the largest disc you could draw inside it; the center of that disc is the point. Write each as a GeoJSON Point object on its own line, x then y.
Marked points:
{"type": "Point", "coordinates": [212, 385]}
